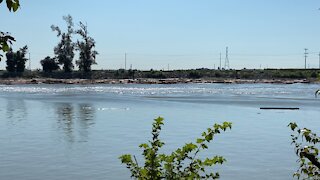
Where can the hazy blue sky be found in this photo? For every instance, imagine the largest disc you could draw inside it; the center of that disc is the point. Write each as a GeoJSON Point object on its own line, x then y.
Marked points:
{"type": "Point", "coordinates": [182, 33]}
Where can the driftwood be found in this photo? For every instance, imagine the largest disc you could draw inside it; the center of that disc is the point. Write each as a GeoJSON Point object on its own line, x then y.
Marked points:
{"type": "Point", "coordinates": [278, 108]}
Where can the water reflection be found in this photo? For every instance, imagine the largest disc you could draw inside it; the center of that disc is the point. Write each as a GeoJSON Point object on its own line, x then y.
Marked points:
{"type": "Point", "coordinates": [16, 110]}
{"type": "Point", "coordinates": [86, 119]}
{"type": "Point", "coordinates": [75, 121]}
{"type": "Point", "coordinates": [65, 119]}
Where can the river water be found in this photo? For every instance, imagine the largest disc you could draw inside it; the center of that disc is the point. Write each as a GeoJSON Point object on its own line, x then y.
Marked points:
{"type": "Point", "coordinates": [79, 131]}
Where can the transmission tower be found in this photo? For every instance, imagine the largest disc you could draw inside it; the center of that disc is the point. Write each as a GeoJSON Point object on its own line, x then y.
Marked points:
{"type": "Point", "coordinates": [305, 58]}
{"type": "Point", "coordinates": [227, 65]}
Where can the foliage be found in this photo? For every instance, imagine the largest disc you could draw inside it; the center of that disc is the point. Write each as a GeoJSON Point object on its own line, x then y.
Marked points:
{"type": "Point", "coordinates": [307, 149]}
{"type": "Point", "coordinates": [64, 49]}
{"type": "Point", "coordinates": [87, 54]}
{"type": "Point", "coordinates": [11, 67]}
{"type": "Point", "coordinates": [12, 5]}
{"type": "Point", "coordinates": [155, 74]}
{"type": "Point", "coordinates": [183, 163]}
{"type": "Point", "coordinates": [195, 75]}
{"type": "Point", "coordinates": [49, 64]}
{"type": "Point", "coordinates": [16, 60]}
{"type": "Point", "coordinates": [5, 38]}
{"type": "Point", "coordinates": [131, 73]}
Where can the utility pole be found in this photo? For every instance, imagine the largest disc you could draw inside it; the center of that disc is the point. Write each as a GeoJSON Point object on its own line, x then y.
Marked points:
{"type": "Point", "coordinates": [220, 62]}
{"type": "Point", "coordinates": [305, 57]}
{"type": "Point", "coordinates": [168, 67]}
{"type": "Point", "coordinates": [125, 61]}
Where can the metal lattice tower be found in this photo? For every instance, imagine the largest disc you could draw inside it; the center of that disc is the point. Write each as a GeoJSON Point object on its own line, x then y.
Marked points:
{"type": "Point", "coordinates": [305, 57]}
{"type": "Point", "coordinates": [227, 64]}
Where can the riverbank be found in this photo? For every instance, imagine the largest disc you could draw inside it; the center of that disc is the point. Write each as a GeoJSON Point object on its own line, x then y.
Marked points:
{"type": "Point", "coordinates": [16, 81]}
{"type": "Point", "coordinates": [121, 76]}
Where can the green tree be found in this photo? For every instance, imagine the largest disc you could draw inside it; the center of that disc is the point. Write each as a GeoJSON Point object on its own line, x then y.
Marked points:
{"type": "Point", "coordinates": [21, 59]}
{"type": "Point", "coordinates": [11, 64]}
{"type": "Point", "coordinates": [306, 145]}
{"type": "Point", "coordinates": [5, 38]}
{"type": "Point", "coordinates": [64, 51]}
{"type": "Point", "coordinates": [183, 163]}
{"type": "Point", "coordinates": [49, 64]}
{"type": "Point", "coordinates": [16, 60]}
{"type": "Point", "coordinates": [86, 47]}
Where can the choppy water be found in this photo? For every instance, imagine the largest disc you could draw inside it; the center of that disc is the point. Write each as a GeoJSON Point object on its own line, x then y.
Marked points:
{"type": "Point", "coordinates": [78, 132]}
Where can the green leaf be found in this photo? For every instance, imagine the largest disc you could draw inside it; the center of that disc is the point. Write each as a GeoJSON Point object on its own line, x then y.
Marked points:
{"type": "Point", "coordinates": [15, 6]}
{"type": "Point", "coordinates": [145, 146]}
{"type": "Point", "coordinates": [125, 158]}
{"type": "Point", "coordinates": [199, 141]}
{"type": "Point", "coordinates": [9, 4]}
{"type": "Point", "coordinates": [5, 47]}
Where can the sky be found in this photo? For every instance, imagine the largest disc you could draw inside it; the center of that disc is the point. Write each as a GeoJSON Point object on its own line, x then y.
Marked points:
{"type": "Point", "coordinates": [176, 34]}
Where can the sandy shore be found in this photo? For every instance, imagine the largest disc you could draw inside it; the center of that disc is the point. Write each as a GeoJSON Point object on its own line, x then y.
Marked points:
{"type": "Point", "coordinates": [148, 81]}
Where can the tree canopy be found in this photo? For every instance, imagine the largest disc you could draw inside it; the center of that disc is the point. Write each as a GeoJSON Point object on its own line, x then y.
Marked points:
{"type": "Point", "coordinates": [49, 64]}
{"type": "Point", "coordinates": [16, 60]}
{"type": "Point", "coordinates": [87, 54]}
{"type": "Point", "coordinates": [64, 51]}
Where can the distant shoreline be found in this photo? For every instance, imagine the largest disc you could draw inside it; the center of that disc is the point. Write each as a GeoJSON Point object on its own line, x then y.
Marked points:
{"type": "Point", "coordinates": [121, 76]}
{"type": "Point", "coordinates": [22, 81]}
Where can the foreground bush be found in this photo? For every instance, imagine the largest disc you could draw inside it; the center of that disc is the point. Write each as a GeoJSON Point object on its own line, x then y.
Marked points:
{"type": "Point", "coordinates": [307, 149]}
{"type": "Point", "coordinates": [183, 163]}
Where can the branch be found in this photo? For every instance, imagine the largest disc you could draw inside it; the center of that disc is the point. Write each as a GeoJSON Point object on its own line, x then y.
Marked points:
{"type": "Point", "coordinates": [311, 158]}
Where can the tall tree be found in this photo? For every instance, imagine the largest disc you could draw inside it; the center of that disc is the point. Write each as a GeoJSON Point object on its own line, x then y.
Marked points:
{"type": "Point", "coordinates": [21, 59]}
{"type": "Point", "coordinates": [11, 65]}
{"type": "Point", "coordinates": [86, 47]}
{"type": "Point", "coordinates": [16, 60]}
{"type": "Point", "coordinates": [64, 51]}
{"type": "Point", "coordinates": [5, 38]}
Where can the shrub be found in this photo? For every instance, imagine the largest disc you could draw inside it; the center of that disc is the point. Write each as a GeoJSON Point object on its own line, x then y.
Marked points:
{"type": "Point", "coordinates": [194, 75]}
{"type": "Point", "coordinates": [307, 152]}
{"type": "Point", "coordinates": [180, 164]}
{"type": "Point", "coordinates": [49, 64]}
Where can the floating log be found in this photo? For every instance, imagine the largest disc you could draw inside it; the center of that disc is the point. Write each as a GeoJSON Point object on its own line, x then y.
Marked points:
{"type": "Point", "coordinates": [279, 108]}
